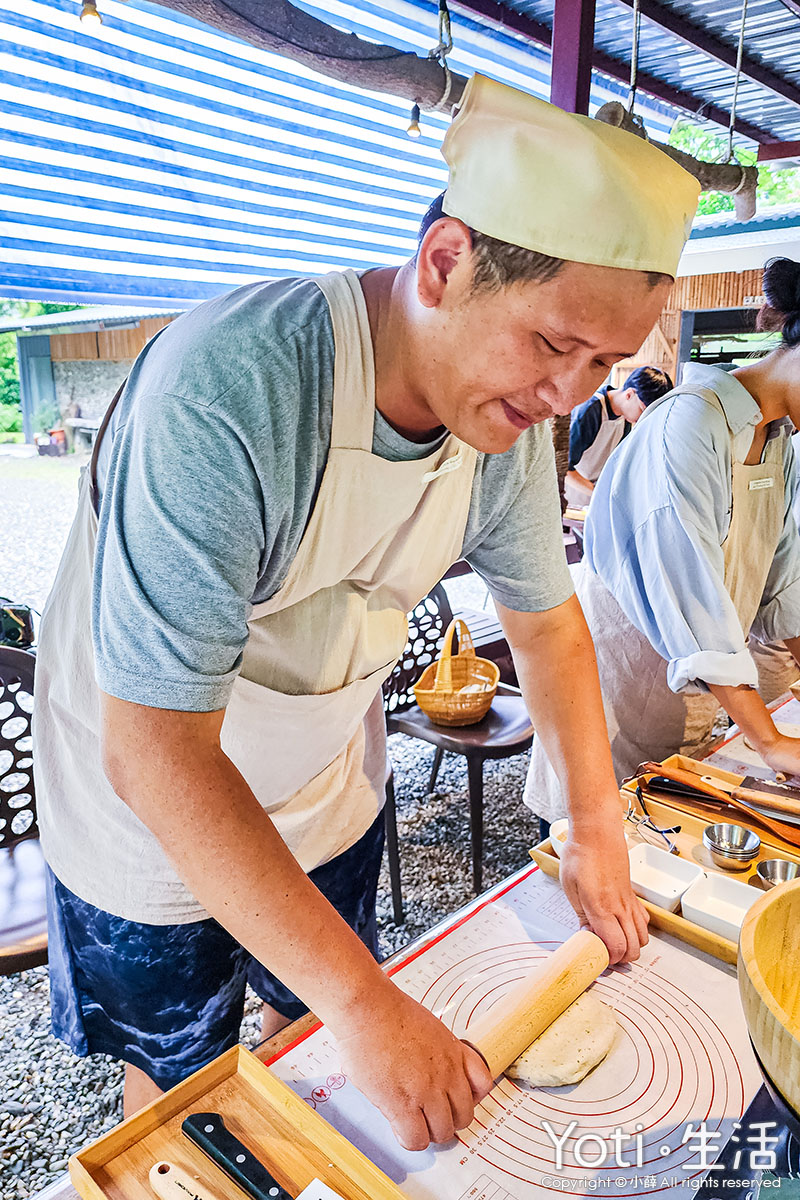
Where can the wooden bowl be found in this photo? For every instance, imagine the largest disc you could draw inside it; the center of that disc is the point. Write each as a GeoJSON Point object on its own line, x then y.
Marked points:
{"type": "Point", "coordinates": [769, 985]}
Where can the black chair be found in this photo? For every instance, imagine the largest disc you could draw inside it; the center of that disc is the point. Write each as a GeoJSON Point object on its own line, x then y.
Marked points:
{"type": "Point", "coordinates": [504, 731]}
{"type": "Point", "coordinates": [23, 916]}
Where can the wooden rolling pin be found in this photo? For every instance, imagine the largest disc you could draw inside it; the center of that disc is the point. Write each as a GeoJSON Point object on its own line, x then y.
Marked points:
{"type": "Point", "coordinates": [506, 1029]}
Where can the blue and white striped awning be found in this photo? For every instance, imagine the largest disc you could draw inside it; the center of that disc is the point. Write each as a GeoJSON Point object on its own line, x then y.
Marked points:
{"type": "Point", "coordinates": [157, 159]}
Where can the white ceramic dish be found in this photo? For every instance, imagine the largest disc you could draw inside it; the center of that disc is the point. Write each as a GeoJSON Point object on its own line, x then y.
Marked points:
{"type": "Point", "coordinates": [558, 834]}
{"type": "Point", "coordinates": [719, 903]}
{"type": "Point", "coordinates": [660, 877]}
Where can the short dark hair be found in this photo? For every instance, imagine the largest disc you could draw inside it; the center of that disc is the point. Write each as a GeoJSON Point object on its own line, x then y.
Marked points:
{"type": "Point", "coordinates": [498, 264]}
{"type": "Point", "coordinates": [649, 383]}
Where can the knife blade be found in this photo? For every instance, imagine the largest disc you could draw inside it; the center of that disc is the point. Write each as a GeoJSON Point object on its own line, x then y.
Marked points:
{"type": "Point", "coordinates": [210, 1134]}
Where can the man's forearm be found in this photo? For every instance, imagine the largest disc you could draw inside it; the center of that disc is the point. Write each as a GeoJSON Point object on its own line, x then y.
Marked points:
{"type": "Point", "coordinates": [579, 481]}
{"type": "Point", "coordinates": [779, 751]}
{"type": "Point", "coordinates": [229, 854]}
{"type": "Point", "coordinates": [746, 708]}
{"type": "Point", "coordinates": [557, 670]}
{"type": "Point", "coordinates": [556, 666]}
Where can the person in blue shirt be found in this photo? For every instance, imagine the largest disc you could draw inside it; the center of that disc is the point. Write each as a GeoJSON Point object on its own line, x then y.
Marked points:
{"type": "Point", "coordinates": [691, 544]}
{"type": "Point", "coordinates": [601, 422]}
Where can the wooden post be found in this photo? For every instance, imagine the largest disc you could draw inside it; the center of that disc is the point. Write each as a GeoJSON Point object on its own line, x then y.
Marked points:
{"type": "Point", "coordinates": [573, 47]}
{"type": "Point", "coordinates": [570, 81]}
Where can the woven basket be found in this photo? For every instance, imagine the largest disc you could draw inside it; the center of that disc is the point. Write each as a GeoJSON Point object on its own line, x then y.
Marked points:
{"type": "Point", "coordinates": [439, 691]}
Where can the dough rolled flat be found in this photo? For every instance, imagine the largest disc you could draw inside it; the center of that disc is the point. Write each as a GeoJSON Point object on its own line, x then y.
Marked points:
{"type": "Point", "coordinates": [571, 1047]}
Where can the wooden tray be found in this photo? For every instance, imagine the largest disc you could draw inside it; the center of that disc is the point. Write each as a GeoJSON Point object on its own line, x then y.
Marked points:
{"type": "Point", "coordinates": [772, 844]}
{"type": "Point", "coordinates": [292, 1140]}
{"type": "Point", "coordinates": [690, 846]}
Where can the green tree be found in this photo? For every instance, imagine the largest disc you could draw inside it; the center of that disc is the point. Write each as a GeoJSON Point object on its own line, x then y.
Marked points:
{"type": "Point", "coordinates": [776, 185]}
{"type": "Point", "coordinates": [10, 412]}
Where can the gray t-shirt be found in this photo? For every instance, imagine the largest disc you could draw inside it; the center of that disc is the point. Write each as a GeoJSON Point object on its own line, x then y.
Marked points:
{"type": "Point", "coordinates": [209, 472]}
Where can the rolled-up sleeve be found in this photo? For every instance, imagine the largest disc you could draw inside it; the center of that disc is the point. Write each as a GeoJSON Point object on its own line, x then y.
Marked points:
{"type": "Point", "coordinates": [674, 592]}
{"type": "Point", "coordinates": [778, 616]}
{"type": "Point", "coordinates": [657, 521]}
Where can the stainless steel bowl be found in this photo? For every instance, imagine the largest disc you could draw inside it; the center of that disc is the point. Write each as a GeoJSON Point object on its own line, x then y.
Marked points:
{"type": "Point", "coordinates": [773, 871]}
{"type": "Point", "coordinates": [731, 847]}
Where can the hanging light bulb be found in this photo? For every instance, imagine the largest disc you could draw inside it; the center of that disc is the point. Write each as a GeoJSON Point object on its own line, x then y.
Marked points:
{"type": "Point", "coordinates": [414, 130]}
{"type": "Point", "coordinates": [89, 13]}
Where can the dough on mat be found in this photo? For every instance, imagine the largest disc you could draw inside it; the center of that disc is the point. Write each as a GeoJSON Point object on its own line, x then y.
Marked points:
{"type": "Point", "coordinates": [568, 1050]}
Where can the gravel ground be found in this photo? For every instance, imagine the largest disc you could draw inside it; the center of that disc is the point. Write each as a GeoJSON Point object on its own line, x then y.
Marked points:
{"type": "Point", "coordinates": [37, 500]}
{"type": "Point", "coordinates": [52, 1103]}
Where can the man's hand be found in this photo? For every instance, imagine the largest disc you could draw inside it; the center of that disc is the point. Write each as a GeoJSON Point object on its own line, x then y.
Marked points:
{"type": "Point", "coordinates": [422, 1078]}
{"type": "Point", "coordinates": [595, 875]}
{"type": "Point", "coordinates": [782, 754]}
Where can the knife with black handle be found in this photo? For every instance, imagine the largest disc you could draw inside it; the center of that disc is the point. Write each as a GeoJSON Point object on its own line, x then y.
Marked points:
{"type": "Point", "coordinates": [209, 1132]}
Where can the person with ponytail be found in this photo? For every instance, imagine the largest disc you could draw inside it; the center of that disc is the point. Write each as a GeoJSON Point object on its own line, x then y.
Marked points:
{"type": "Point", "coordinates": [691, 545]}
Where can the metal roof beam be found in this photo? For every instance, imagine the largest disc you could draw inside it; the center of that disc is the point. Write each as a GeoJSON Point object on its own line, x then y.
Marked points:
{"type": "Point", "coordinates": [541, 34]}
{"type": "Point", "coordinates": [703, 39]}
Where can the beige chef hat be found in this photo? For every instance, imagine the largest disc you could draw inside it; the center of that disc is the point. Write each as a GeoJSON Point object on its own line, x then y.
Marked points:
{"type": "Point", "coordinates": [528, 173]}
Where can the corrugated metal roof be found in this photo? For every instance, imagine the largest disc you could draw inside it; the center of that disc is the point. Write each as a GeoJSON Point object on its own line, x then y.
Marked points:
{"type": "Point", "coordinates": [104, 316]}
{"type": "Point", "coordinates": [772, 37]}
{"type": "Point", "coordinates": [714, 224]}
{"type": "Point", "coordinates": [156, 159]}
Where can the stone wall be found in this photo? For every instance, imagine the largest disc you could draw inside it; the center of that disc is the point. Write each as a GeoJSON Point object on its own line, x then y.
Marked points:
{"type": "Point", "coordinates": [89, 384]}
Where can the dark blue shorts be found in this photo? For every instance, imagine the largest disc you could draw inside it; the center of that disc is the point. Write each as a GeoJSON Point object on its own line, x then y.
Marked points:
{"type": "Point", "coordinates": [169, 998]}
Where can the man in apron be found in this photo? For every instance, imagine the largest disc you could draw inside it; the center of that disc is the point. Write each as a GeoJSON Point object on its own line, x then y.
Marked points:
{"type": "Point", "coordinates": [287, 471]}
{"type": "Point", "coordinates": [599, 425]}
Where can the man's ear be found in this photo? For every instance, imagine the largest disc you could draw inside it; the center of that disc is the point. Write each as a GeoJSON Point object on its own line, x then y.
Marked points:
{"type": "Point", "coordinates": [444, 260]}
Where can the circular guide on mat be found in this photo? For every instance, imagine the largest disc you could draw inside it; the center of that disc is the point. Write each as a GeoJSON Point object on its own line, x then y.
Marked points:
{"type": "Point", "coordinates": [651, 1118]}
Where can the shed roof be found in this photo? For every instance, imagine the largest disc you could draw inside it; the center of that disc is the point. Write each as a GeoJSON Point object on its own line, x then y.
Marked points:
{"type": "Point", "coordinates": [106, 316]}
{"type": "Point", "coordinates": [720, 243]}
{"type": "Point", "coordinates": [693, 47]}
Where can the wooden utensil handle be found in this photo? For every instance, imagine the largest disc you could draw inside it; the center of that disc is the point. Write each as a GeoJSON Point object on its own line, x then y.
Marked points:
{"type": "Point", "coordinates": [687, 778]}
{"type": "Point", "coordinates": [515, 1020]}
{"type": "Point", "coordinates": [777, 804]}
{"type": "Point", "coordinates": [707, 793]}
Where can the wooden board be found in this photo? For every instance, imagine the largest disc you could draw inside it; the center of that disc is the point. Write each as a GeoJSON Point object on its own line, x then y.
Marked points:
{"type": "Point", "coordinates": [284, 1132]}
{"type": "Point", "coordinates": [71, 347]}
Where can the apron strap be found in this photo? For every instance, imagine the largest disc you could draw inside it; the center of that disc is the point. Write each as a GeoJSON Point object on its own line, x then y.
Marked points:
{"type": "Point", "coordinates": [94, 492]}
{"type": "Point", "coordinates": [741, 441]}
{"type": "Point", "coordinates": [353, 420]}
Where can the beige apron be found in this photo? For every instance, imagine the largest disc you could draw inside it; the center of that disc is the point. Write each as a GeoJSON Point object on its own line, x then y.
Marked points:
{"type": "Point", "coordinates": [646, 720]}
{"type": "Point", "coordinates": [595, 457]}
{"type": "Point", "coordinates": [304, 724]}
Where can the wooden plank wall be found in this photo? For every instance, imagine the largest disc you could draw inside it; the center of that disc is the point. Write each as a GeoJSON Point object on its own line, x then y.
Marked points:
{"type": "Point", "coordinates": [110, 345]}
{"type": "Point", "coordinates": [726, 290]}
